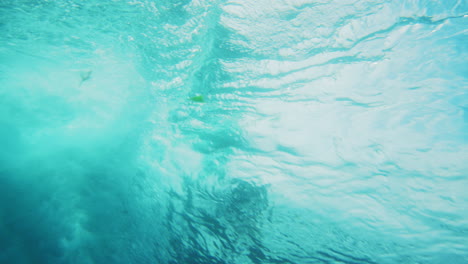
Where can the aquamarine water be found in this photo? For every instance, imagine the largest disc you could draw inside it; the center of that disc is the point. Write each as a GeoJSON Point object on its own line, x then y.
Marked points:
{"type": "Point", "coordinates": [234, 132]}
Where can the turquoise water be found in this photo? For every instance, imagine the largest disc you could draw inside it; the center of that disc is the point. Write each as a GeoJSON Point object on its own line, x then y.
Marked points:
{"type": "Point", "coordinates": [234, 132]}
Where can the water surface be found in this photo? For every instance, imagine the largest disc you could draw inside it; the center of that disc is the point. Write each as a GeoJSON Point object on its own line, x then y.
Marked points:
{"type": "Point", "coordinates": [234, 132]}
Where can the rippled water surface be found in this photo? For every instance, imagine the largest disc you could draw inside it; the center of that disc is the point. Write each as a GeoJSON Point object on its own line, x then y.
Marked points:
{"type": "Point", "coordinates": [234, 132]}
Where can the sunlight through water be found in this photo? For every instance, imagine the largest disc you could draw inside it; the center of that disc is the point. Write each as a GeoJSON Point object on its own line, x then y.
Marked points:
{"type": "Point", "coordinates": [233, 132]}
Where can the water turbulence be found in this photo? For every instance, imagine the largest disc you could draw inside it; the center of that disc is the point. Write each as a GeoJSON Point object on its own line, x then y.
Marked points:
{"type": "Point", "coordinates": [205, 131]}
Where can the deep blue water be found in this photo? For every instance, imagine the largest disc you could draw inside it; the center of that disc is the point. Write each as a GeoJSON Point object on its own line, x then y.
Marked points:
{"type": "Point", "coordinates": [234, 132]}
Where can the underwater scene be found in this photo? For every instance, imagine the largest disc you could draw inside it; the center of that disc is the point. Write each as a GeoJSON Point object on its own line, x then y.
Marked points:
{"type": "Point", "coordinates": [233, 132]}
